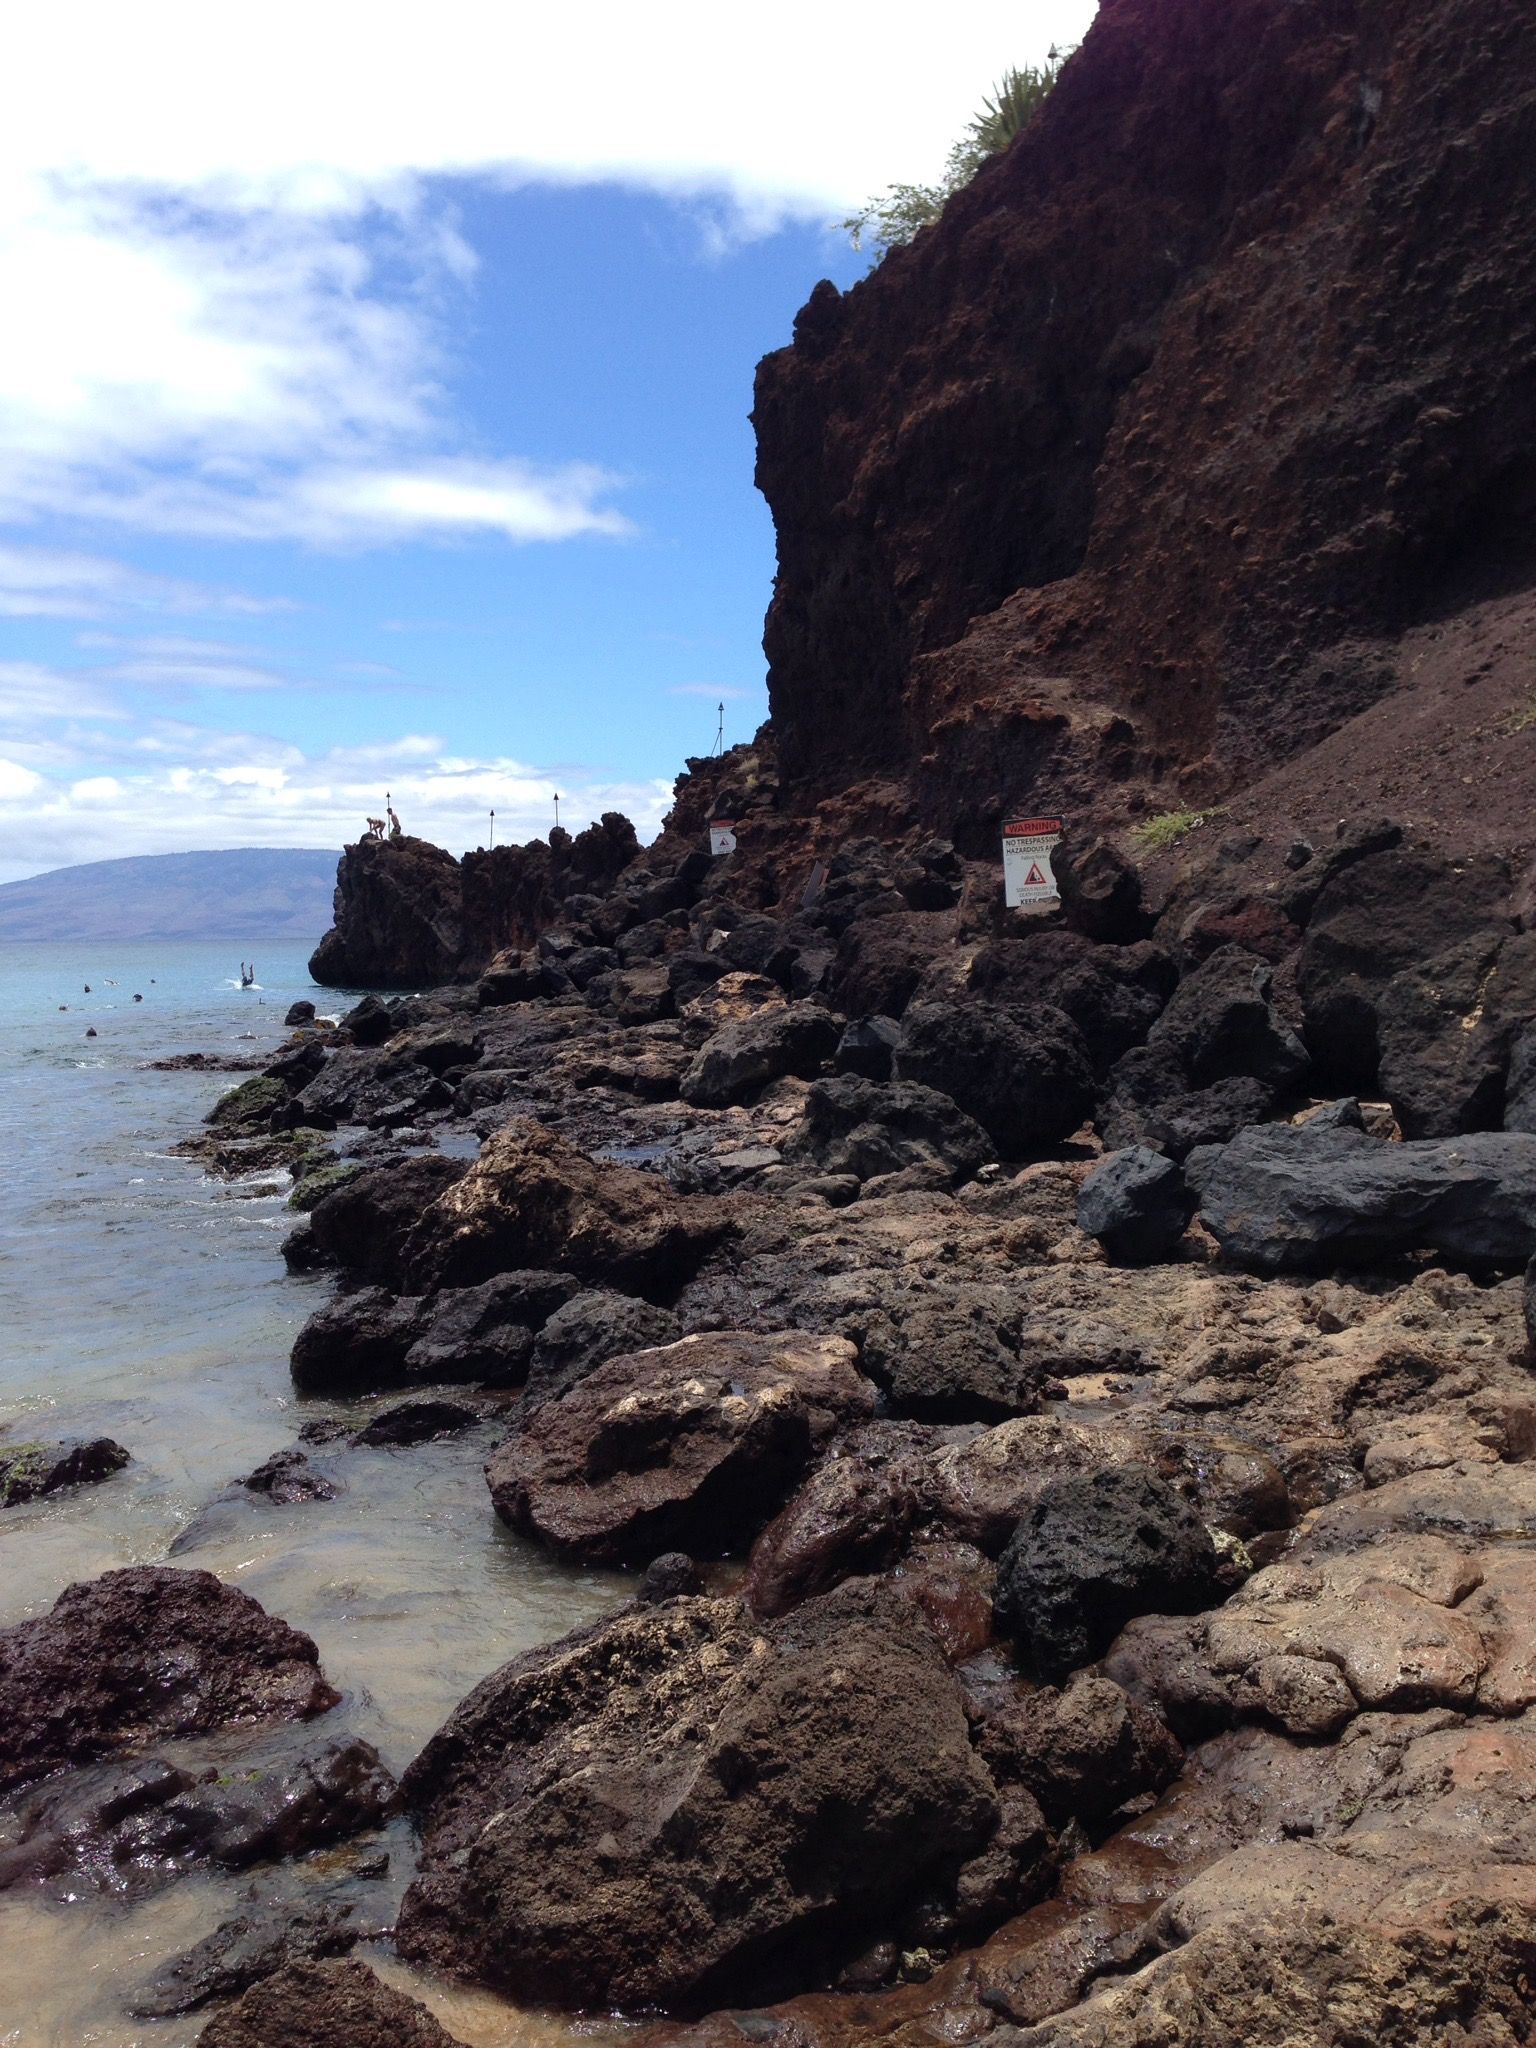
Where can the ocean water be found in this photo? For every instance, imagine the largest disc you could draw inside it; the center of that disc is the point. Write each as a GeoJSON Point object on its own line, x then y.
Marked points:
{"type": "Point", "coordinates": [143, 1300]}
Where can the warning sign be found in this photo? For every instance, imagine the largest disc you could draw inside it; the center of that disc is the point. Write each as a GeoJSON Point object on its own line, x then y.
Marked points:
{"type": "Point", "coordinates": [1028, 883]}
{"type": "Point", "coordinates": [722, 835]}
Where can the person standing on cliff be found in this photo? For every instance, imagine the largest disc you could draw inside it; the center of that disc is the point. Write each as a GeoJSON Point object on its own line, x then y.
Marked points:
{"type": "Point", "coordinates": [394, 823]}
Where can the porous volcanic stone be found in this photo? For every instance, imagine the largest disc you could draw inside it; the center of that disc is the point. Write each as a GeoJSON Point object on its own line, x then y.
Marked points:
{"type": "Point", "coordinates": [1136, 1204]}
{"type": "Point", "coordinates": [689, 1447]}
{"type": "Point", "coordinates": [29, 1470]}
{"type": "Point", "coordinates": [333, 2004]}
{"type": "Point", "coordinates": [861, 1127]}
{"type": "Point", "coordinates": [739, 1061]}
{"type": "Point", "coordinates": [681, 1806]}
{"type": "Point", "coordinates": [1021, 1072]}
{"type": "Point", "coordinates": [140, 1655]}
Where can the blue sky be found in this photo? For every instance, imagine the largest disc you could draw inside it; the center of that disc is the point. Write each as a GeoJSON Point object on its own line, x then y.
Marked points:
{"type": "Point", "coordinates": [380, 420]}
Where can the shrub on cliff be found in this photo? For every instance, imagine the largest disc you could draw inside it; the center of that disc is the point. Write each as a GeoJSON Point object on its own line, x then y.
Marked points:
{"type": "Point", "coordinates": [891, 219]}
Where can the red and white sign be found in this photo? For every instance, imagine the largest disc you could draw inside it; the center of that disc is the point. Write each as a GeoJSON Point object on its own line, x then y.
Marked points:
{"type": "Point", "coordinates": [722, 835]}
{"type": "Point", "coordinates": [1028, 883]}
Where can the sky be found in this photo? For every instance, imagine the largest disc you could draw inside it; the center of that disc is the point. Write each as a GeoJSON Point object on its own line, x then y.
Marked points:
{"type": "Point", "coordinates": [374, 387]}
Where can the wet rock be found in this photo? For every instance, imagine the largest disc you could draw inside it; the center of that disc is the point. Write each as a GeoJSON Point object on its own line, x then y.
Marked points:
{"type": "Point", "coordinates": [120, 1826]}
{"type": "Point", "coordinates": [141, 1655]}
{"type": "Point", "coordinates": [824, 1762]}
{"type": "Point", "coordinates": [671, 1576]}
{"type": "Point", "coordinates": [1136, 1204]}
{"type": "Point", "coordinates": [532, 1200]}
{"type": "Point", "coordinates": [1082, 1751]}
{"type": "Point", "coordinates": [298, 1013]}
{"type": "Point", "coordinates": [356, 1344]}
{"type": "Point", "coordinates": [1311, 1197]}
{"type": "Point", "coordinates": [260, 1939]}
{"type": "Point", "coordinates": [1022, 1073]}
{"type": "Point", "coordinates": [739, 1061]}
{"type": "Point", "coordinates": [1091, 1553]}
{"type": "Point", "coordinates": [30, 1470]}
{"type": "Point", "coordinates": [248, 1107]}
{"type": "Point", "coordinates": [852, 1516]}
{"type": "Point", "coordinates": [369, 1022]}
{"type": "Point", "coordinates": [323, 2005]}
{"type": "Point", "coordinates": [688, 1447]}
{"type": "Point", "coordinates": [314, 1185]}
{"type": "Point", "coordinates": [588, 1330]}
{"type": "Point", "coordinates": [867, 1048]}
{"type": "Point", "coordinates": [416, 1422]}
{"type": "Point", "coordinates": [288, 1477]}
{"type": "Point", "coordinates": [362, 1225]}
{"type": "Point", "coordinates": [859, 1127]}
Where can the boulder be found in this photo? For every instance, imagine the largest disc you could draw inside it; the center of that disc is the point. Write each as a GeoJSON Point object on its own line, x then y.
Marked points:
{"type": "Point", "coordinates": [586, 1332]}
{"type": "Point", "coordinates": [1082, 1752]}
{"type": "Point", "coordinates": [29, 1470]}
{"type": "Point", "coordinates": [260, 1939]}
{"type": "Point", "coordinates": [739, 1061]}
{"type": "Point", "coordinates": [672, 1576]}
{"type": "Point", "coordinates": [853, 1514]}
{"type": "Point", "coordinates": [954, 1356]}
{"type": "Point", "coordinates": [856, 1126]}
{"type": "Point", "coordinates": [1391, 911]}
{"type": "Point", "coordinates": [1136, 1204]}
{"type": "Point", "coordinates": [1113, 994]}
{"type": "Point", "coordinates": [299, 1013]}
{"type": "Point", "coordinates": [1021, 1072]}
{"type": "Point", "coordinates": [1450, 1032]}
{"type": "Point", "coordinates": [288, 1477]}
{"type": "Point", "coordinates": [1100, 890]}
{"type": "Point", "coordinates": [867, 1047]}
{"type": "Point", "coordinates": [416, 1422]}
{"type": "Point", "coordinates": [1094, 1551]}
{"type": "Point", "coordinates": [1221, 1023]}
{"type": "Point", "coordinates": [1150, 1101]}
{"type": "Point", "coordinates": [689, 1447]}
{"type": "Point", "coordinates": [139, 1656]}
{"type": "Point", "coordinates": [362, 1225]}
{"type": "Point", "coordinates": [531, 1199]}
{"type": "Point", "coordinates": [485, 1333]}
{"type": "Point", "coordinates": [881, 961]}
{"type": "Point", "coordinates": [1312, 1197]}
{"type": "Point", "coordinates": [250, 1106]}
{"type": "Point", "coordinates": [681, 1807]}
{"type": "Point", "coordinates": [356, 1344]}
{"type": "Point", "coordinates": [329, 2004]}
{"type": "Point", "coordinates": [370, 1022]}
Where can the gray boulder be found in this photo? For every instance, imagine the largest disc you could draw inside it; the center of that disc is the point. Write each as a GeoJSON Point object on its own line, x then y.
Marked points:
{"type": "Point", "coordinates": [859, 1127]}
{"type": "Point", "coordinates": [740, 1060]}
{"type": "Point", "coordinates": [1136, 1204]}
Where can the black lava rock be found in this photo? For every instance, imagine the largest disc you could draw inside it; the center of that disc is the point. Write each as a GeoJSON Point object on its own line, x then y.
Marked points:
{"type": "Point", "coordinates": [1136, 1204]}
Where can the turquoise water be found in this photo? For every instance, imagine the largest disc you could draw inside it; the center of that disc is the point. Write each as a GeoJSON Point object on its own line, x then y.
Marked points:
{"type": "Point", "coordinates": [143, 1300]}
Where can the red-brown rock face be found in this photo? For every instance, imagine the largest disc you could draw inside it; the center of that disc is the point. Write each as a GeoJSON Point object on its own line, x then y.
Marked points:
{"type": "Point", "coordinates": [1223, 372]}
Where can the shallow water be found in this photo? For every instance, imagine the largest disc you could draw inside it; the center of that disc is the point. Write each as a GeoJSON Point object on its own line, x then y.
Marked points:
{"type": "Point", "coordinates": [141, 1300]}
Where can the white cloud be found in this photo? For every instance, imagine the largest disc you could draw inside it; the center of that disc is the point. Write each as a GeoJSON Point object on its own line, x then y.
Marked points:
{"type": "Point", "coordinates": [199, 788]}
{"type": "Point", "coordinates": [58, 583]}
{"type": "Point", "coordinates": [233, 279]}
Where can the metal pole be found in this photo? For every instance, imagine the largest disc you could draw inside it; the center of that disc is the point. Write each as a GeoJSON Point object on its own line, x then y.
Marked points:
{"type": "Point", "coordinates": [493, 831]}
{"type": "Point", "coordinates": [557, 814]}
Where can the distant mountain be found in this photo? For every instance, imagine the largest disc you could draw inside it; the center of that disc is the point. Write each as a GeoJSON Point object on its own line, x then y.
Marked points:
{"type": "Point", "coordinates": [249, 892]}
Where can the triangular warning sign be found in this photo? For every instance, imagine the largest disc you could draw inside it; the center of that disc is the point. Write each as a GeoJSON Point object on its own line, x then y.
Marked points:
{"type": "Point", "coordinates": [1034, 879]}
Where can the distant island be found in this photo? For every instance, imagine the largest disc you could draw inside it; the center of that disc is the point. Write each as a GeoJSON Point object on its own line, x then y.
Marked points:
{"type": "Point", "coordinates": [250, 892]}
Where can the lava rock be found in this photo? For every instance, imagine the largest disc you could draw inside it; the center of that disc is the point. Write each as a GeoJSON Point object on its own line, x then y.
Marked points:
{"type": "Point", "coordinates": [324, 2005]}
{"type": "Point", "coordinates": [416, 1422]}
{"type": "Point", "coordinates": [1150, 1102]}
{"type": "Point", "coordinates": [484, 1333]}
{"type": "Point", "coordinates": [263, 1937]}
{"type": "Point", "coordinates": [1222, 1024]}
{"type": "Point", "coordinates": [953, 1357]}
{"type": "Point", "coordinates": [588, 1330]}
{"type": "Point", "coordinates": [356, 1344]}
{"type": "Point", "coordinates": [867, 1047]}
{"type": "Point", "coordinates": [1310, 1197]}
{"type": "Point", "coordinates": [859, 1127]}
{"type": "Point", "coordinates": [362, 1225]}
{"type": "Point", "coordinates": [1093, 1552]}
{"type": "Point", "coordinates": [369, 1022]}
{"type": "Point", "coordinates": [1136, 1204]}
{"type": "Point", "coordinates": [299, 1013]}
{"type": "Point", "coordinates": [30, 1470]}
{"type": "Point", "coordinates": [141, 1655]}
{"type": "Point", "coordinates": [1100, 890]}
{"type": "Point", "coordinates": [672, 1576]}
{"type": "Point", "coordinates": [250, 1106]}
{"type": "Point", "coordinates": [689, 1447]}
{"type": "Point", "coordinates": [739, 1061]}
{"type": "Point", "coordinates": [1022, 1073]}
{"type": "Point", "coordinates": [288, 1477]}
{"type": "Point", "coordinates": [852, 1515]}
{"type": "Point", "coordinates": [823, 1761]}
{"type": "Point", "coordinates": [118, 1826]}
{"type": "Point", "coordinates": [531, 1199]}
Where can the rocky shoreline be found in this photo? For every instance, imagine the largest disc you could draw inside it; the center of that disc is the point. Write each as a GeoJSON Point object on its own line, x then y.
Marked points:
{"type": "Point", "coordinates": [1074, 1459]}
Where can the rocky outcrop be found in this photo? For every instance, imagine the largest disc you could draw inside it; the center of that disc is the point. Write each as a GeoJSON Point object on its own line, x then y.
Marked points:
{"type": "Point", "coordinates": [138, 1656]}
{"type": "Point", "coordinates": [408, 915]}
{"type": "Point", "coordinates": [29, 1470]}
{"type": "Point", "coordinates": [1077, 482]}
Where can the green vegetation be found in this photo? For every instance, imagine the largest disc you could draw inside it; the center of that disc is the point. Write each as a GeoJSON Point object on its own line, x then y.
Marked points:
{"type": "Point", "coordinates": [21, 1472]}
{"type": "Point", "coordinates": [1524, 719]}
{"type": "Point", "coordinates": [894, 217]}
{"type": "Point", "coordinates": [1157, 834]}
